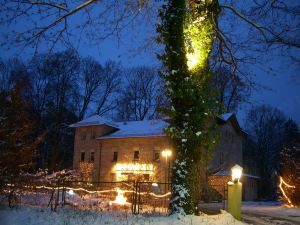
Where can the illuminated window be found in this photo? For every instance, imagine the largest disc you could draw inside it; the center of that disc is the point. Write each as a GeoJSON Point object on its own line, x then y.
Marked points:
{"type": "Point", "coordinates": [82, 156]}
{"type": "Point", "coordinates": [136, 155]}
{"type": "Point", "coordinates": [92, 156]}
{"type": "Point", "coordinates": [115, 157]}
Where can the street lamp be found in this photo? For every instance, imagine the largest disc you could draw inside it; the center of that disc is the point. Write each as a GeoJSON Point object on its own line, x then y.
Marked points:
{"type": "Point", "coordinates": [236, 173]}
{"type": "Point", "coordinates": [234, 192]}
{"type": "Point", "coordinates": [167, 153]}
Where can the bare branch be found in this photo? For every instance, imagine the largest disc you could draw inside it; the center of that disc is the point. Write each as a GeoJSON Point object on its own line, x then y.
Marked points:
{"type": "Point", "coordinates": [262, 29]}
{"type": "Point", "coordinates": [46, 4]}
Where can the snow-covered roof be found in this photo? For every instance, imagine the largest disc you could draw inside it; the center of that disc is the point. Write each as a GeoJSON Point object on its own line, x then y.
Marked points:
{"type": "Point", "coordinates": [226, 173]}
{"type": "Point", "coordinates": [93, 120]}
{"type": "Point", "coordinates": [134, 128]}
{"type": "Point", "coordinates": [138, 129]}
{"type": "Point", "coordinates": [225, 116]}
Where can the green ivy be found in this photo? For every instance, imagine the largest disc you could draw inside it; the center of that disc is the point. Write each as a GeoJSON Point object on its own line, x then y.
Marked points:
{"type": "Point", "coordinates": [187, 30]}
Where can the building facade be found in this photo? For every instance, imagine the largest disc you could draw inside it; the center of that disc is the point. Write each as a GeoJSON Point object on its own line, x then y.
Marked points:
{"type": "Point", "coordinates": [117, 151]}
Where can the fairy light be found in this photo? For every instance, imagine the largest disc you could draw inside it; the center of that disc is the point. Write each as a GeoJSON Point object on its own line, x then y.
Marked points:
{"type": "Point", "coordinates": [120, 199]}
{"type": "Point", "coordinates": [71, 190]}
{"type": "Point", "coordinates": [283, 192]}
{"type": "Point", "coordinates": [135, 168]}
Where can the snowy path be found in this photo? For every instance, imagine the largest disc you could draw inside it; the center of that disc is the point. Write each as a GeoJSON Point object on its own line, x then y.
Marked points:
{"type": "Point", "coordinates": [270, 213]}
{"type": "Point", "coordinates": [267, 220]}
{"type": "Point", "coordinates": [261, 213]}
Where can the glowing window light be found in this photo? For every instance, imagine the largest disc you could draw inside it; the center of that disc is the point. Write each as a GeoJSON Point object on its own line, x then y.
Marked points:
{"type": "Point", "coordinates": [236, 173]}
{"type": "Point", "coordinates": [154, 184]}
{"type": "Point", "coordinates": [135, 168]}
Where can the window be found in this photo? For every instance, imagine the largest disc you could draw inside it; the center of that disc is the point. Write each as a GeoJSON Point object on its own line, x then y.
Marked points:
{"type": "Point", "coordinates": [136, 155]}
{"type": "Point", "coordinates": [156, 156]}
{"type": "Point", "coordinates": [83, 136]}
{"type": "Point", "coordinates": [93, 134]}
{"type": "Point", "coordinates": [82, 156]}
{"type": "Point", "coordinates": [115, 157]}
{"type": "Point", "coordinates": [92, 156]}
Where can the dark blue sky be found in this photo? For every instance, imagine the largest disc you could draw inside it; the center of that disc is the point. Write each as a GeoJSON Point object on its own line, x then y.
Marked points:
{"type": "Point", "coordinates": [284, 87]}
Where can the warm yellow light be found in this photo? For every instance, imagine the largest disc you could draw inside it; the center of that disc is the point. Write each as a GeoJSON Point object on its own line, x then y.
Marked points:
{"type": "Point", "coordinates": [120, 199]}
{"type": "Point", "coordinates": [166, 153]}
{"type": "Point", "coordinates": [283, 192]}
{"type": "Point", "coordinates": [136, 168]}
{"type": "Point", "coordinates": [236, 173]}
{"type": "Point", "coordinates": [198, 38]}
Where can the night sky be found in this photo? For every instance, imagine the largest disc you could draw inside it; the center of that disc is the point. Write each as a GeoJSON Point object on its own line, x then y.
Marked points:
{"type": "Point", "coordinates": [282, 85]}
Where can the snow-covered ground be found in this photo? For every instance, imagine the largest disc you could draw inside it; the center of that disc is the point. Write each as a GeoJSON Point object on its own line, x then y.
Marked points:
{"type": "Point", "coordinates": [26, 215]}
{"type": "Point", "coordinates": [272, 210]}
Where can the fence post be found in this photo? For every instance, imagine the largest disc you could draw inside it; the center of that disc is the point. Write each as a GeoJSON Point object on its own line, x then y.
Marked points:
{"type": "Point", "coordinates": [135, 196]}
{"type": "Point", "coordinates": [139, 197]}
{"type": "Point", "coordinates": [63, 194]}
{"type": "Point", "coordinates": [57, 196]}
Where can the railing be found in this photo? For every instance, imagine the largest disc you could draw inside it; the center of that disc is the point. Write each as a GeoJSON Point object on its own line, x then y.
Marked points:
{"type": "Point", "coordinates": [128, 196]}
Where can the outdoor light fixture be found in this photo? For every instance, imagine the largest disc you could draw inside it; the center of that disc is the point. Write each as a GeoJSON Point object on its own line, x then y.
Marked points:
{"type": "Point", "coordinates": [166, 153]}
{"type": "Point", "coordinates": [120, 199]}
{"type": "Point", "coordinates": [236, 173]}
{"type": "Point", "coordinates": [71, 192]}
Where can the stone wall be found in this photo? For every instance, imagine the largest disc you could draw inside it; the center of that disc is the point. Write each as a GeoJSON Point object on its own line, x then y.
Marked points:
{"type": "Point", "coordinates": [226, 155]}
{"type": "Point", "coordinates": [85, 142]}
{"type": "Point", "coordinates": [147, 147]}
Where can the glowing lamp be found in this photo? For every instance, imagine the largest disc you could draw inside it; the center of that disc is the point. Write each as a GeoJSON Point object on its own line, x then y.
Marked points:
{"type": "Point", "coordinates": [166, 153]}
{"type": "Point", "coordinates": [71, 192]}
{"type": "Point", "coordinates": [236, 173]}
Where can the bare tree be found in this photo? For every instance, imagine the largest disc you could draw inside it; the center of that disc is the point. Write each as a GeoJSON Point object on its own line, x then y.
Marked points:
{"type": "Point", "coordinates": [139, 98]}
{"type": "Point", "coordinates": [91, 76]}
{"type": "Point", "coordinates": [62, 71]}
{"type": "Point", "coordinates": [12, 71]}
{"type": "Point", "coordinates": [54, 23]}
{"type": "Point", "coordinates": [40, 84]}
{"type": "Point", "coordinates": [265, 125]}
{"type": "Point", "coordinates": [110, 83]}
{"type": "Point", "coordinates": [232, 89]}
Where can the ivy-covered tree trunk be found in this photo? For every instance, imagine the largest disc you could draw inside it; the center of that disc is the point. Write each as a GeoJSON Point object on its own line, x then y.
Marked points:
{"type": "Point", "coordinates": [187, 31]}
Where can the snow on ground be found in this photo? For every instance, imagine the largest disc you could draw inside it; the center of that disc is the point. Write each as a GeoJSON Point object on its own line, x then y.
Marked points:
{"type": "Point", "coordinates": [26, 215]}
{"type": "Point", "coordinates": [272, 209]}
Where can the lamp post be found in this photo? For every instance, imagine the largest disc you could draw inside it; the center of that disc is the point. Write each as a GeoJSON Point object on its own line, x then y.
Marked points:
{"type": "Point", "coordinates": [234, 198]}
{"type": "Point", "coordinates": [167, 153]}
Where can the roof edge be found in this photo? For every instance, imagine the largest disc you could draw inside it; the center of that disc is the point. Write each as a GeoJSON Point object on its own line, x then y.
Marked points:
{"type": "Point", "coordinates": [130, 136]}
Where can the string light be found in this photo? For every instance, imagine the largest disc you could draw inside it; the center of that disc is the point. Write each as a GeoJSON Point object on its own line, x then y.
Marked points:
{"type": "Point", "coordinates": [283, 192]}
{"type": "Point", "coordinates": [72, 191]}
{"type": "Point", "coordinates": [120, 199]}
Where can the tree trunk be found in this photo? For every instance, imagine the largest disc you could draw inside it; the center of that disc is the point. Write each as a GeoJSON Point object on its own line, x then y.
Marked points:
{"type": "Point", "coordinates": [187, 32]}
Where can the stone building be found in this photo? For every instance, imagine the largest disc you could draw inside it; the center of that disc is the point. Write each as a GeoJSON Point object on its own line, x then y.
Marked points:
{"type": "Point", "coordinates": [116, 151]}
